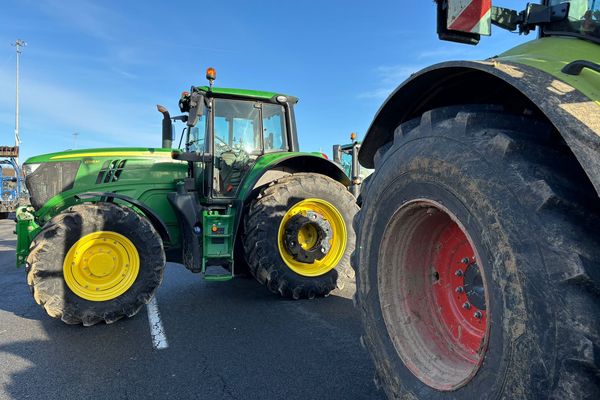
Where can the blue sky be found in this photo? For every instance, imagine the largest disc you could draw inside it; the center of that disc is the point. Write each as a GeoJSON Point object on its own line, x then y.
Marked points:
{"type": "Point", "coordinates": [98, 68]}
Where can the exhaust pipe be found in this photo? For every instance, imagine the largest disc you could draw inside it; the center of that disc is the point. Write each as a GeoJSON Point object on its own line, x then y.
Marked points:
{"type": "Point", "coordinates": [167, 127]}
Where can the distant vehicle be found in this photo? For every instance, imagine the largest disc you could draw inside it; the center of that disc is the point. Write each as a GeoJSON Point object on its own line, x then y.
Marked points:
{"type": "Point", "coordinates": [346, 156]}
{"type": "Point", "coordinates": [11, 194]}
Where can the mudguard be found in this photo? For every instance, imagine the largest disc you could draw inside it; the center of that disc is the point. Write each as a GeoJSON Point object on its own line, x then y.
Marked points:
{"type": "Point", "coordinates": [575, 116]}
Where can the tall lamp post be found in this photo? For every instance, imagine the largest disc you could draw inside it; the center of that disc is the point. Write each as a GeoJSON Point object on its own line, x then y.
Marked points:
{"type": "Point", "coordinates": [18, 45]}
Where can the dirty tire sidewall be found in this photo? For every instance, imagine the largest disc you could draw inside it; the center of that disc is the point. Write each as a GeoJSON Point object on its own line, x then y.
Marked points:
{"type": "Point", "coordinates": [485, 169]}
{"type": "Point", "coordinates": [49, 248]}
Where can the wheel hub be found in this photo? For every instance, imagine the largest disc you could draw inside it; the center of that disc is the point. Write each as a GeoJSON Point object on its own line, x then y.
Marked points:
{"type": "Point", "coordinates": [312, 237]}
{"type": "Point", "coordinates": [101, 266]}
{"type": "Point", "coordinates": [308, 236]}
{"type": "Point", "coordinates": [473, 284]}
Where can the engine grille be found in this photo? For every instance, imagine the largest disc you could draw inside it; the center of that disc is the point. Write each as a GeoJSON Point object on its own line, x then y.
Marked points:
{"type": "Point", "coordinates": [50, 179]}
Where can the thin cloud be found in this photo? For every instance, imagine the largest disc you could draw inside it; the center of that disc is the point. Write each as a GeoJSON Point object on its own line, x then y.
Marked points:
{"type": "Point", "coordinates": [441, 53]}
{"type": "Point", "coordinates": [87, 17]}
{"type": "Point", "coordinates": [389, 78]}
{"type": "Point", "coordinates": [48, 104]}
{"type": "Point", "coordinates": [377, 94]}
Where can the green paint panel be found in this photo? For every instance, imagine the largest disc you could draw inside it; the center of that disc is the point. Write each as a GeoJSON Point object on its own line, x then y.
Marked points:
{"type": "Point", "coordinates": [144, 152]}
{"type": "Point", "coordinates": [266, 162]}
{"type": "Point", "coordinates": [551, 54]}
{"type": "Point", "coordinates": [256, 94]}
{"type": "Point", "coordinates": [147, 175]}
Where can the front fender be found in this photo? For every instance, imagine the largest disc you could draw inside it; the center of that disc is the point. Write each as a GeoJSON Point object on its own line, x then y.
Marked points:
{"type": "Point", "coordinates": [60, 203]}
{"type": "Point", "coordinates": [575, 116]}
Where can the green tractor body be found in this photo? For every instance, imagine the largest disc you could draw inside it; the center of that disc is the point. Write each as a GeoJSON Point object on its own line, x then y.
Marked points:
{"type": "Point", "coordinates": [478, 241]}
{"type": "Point", "coordinates": [346, 156]}
{"type": "Point", "coordinates": [239, 154]}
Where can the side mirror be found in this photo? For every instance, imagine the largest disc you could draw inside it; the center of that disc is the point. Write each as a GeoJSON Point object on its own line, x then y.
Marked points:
{"type": "Point", "coordinates": [337, 154]}
{"type": "Point", "coordinates": [196, 108]}
{"type": "Point", "coordinates": [464, 21]}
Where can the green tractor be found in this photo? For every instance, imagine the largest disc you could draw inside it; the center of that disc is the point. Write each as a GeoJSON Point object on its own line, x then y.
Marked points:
{"type": "Point", "coordinates": [236, 192]}
{"type": "Point", "coordinates": [478, 239]}
{"type": "Point", "coordinates": [346, 156]}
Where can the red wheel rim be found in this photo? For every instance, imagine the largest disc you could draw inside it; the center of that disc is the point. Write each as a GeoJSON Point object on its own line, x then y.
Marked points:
{"type": "Point", "coordinates": [432, 292]}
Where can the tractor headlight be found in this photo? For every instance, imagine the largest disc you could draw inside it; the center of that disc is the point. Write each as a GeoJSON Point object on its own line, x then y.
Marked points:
{"type": "Point", "coordinates": [46, 180]}
{"type": "Point", "coordinates": [29, 169]}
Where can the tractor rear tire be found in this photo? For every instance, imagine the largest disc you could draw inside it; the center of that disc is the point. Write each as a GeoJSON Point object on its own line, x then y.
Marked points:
{"type": "Point", "coordinates": [100, 232]}
{"type": "Point", "coordinates": [504, 188]}
{"type": "Point", "coordinates": [269, 260]}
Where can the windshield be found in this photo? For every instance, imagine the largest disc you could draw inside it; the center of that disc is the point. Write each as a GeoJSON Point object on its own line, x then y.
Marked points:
{"type": "Point", "coordinates": [583, 19]}
{"type": "Point", "coordinates": [237, 126]}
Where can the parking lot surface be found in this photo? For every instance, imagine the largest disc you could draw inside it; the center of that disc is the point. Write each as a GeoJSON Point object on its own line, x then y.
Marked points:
{"type": "Point", "coordinates": [214, 340]}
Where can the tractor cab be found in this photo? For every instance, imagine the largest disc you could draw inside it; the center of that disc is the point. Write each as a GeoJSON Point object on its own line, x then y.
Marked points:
{"type": "Point", "coordinates": [227, 131]}
{"type": "Point", "coordinates": [346, 156]}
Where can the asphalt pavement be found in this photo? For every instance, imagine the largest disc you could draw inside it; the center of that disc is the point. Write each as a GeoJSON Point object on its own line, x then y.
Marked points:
{"type": "Point", "coordinates": [219, 340]}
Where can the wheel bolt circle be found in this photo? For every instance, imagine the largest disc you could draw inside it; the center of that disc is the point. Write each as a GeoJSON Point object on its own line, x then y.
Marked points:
{"type": "Point", "coordinates": [466, 305]}
{"type": "Point", "coordinates": [459, 289]}
{"type": "Point", "coordinates": [477, 314]}
{"type": "Point", "coordinates": [458, 273]}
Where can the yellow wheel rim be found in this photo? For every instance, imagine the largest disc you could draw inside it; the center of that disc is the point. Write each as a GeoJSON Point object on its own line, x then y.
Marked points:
{"type": "Point", "coordinates": [101, 266]}
{"type": "Point", "coordinates": [307, 237]}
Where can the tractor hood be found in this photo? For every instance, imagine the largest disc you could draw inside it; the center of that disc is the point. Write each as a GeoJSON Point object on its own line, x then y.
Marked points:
{"type": "Point", "coordinates": [119, 170]}
{"type": "Point", "coordinates": [143, 152]}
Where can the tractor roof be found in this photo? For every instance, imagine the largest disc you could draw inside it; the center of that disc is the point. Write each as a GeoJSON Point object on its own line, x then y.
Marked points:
{"type": "Point", "coordinates": [255, 94]}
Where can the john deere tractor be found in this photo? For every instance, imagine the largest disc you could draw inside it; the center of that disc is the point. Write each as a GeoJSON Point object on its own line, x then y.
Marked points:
{"type": "Point", "coordinates": [478, 239]}
{"type": "Point", "coordinates": [346, 156]}
{"type": "Point", "coordinates": [236, 193]}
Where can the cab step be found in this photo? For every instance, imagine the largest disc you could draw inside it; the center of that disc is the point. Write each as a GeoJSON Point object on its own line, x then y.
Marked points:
{"type": "Point", "coordinates": [217, 245]}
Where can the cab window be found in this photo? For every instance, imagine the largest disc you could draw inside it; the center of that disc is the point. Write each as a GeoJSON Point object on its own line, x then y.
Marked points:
{"type": "Point", "coordinates": [274, 128]}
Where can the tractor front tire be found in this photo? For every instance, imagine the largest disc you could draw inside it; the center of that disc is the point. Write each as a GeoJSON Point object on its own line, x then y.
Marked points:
{"type": "Point", "coordinates": [477, 261]}
{"type": "Point", "coordinates": [95, 262]}
{"type": "Point", "coordinates": [286, 227]}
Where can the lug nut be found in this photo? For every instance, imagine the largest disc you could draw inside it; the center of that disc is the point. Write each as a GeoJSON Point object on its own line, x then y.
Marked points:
{"type": "Point", "coordinates": [466, 305]}
{"type": "Point", "coordinates": [465, 260]}
{"type": "Point", "coordinates": [459, 289]}
{"type": "Point", "coordinates": [477, 314]}
{"type": "Point", "coordinates": [458, 272]}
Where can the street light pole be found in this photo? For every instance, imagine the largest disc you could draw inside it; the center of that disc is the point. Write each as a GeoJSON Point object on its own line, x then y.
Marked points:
{"type": "Point", "coordinates": [18, 45]}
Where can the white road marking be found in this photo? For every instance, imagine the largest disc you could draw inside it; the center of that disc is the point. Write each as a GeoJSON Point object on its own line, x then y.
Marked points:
{"type": "Point", "coordinates": [157, 331]}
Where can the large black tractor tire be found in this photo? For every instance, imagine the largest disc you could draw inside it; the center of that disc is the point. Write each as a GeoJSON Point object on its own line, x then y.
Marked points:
{"type": "Point", "coordinates": [47, 270]}
{"type": "Point", "coordinates": [503, 187]}
{"type": "Point", "coordinates": [267, 213]}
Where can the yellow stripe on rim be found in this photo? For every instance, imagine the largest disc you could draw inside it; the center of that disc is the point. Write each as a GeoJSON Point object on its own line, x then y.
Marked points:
{"type": "Point", "coordinates": [306, 238]}
{"type": "Point", "coordinates": [114, 154]}
{"type": "Point", "coordinates": [101, 266]}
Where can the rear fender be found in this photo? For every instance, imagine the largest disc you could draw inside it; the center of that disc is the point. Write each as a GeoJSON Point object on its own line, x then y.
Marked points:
{"type": "Point", "coordinates": [518, 87]}
{"type": "Point", "coordinates": [276, 167]}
